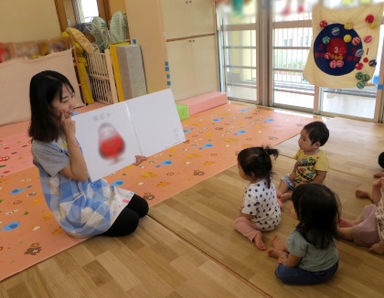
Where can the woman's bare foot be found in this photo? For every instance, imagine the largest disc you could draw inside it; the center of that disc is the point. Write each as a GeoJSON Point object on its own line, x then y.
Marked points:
{"type": "Point", "coordinates": [361, 194]}
{"type": "Point", "coordinates": [139, 159]}
{"type": "Point", "coordinates": [377, 248]}
{"type": "Point", "coordinates": [277, 243]}
{"type": "Point", "coordinates": [258, 240]}
{"type": "Point", "coordinates": [345, 223]}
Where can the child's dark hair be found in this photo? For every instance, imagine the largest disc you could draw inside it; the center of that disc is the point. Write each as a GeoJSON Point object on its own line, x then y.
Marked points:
{"type": "Point", "coordinates": [317, 132]}
{"type": "Point", "coordinates": [317, 209]}
{"type": "Point", "coordinates": [256, 162]}
{"type": "Point", "coordinates": [44, 86]}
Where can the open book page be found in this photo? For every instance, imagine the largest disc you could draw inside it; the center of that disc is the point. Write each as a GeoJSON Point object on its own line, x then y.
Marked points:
{"type": "Point", "coordinates": [107, 138]}
{"type": "Point", "coordinates": [156, 121]}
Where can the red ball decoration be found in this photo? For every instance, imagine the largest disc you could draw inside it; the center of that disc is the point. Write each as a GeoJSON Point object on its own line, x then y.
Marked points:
{"type": "Point", "coordinates": [332, 64]}
{"type": "Point", "coordinates": [339, 63]}
{"type": "Point", "coordinates": [356, 40]}
{"type": "Point", "coordinates": [369, 18]}
{"type": "Point", "coordinates": [359, 66]}
{"type": "Point", "coordinates": [368, 38]}
{"type": "Point", "coordinates": [323, 24]}
{"type": "Point", "coordinates": [365, 59]}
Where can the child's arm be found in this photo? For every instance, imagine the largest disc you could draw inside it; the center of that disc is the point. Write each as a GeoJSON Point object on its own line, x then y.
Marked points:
{"type": "Point", "coordinates": [284, 258]}
{"type": "Point", "coordinates": [77, 168]}
{"type": "Point", "coordinates": [320, 177]}
{"type": "Point", "coordinates": [248, 210]}
{"type": "Point", "coordinates": [321, 167]}
{"type": "Point", "coordinates": [247, 216]}
{"type": "Point", "coordinates": [290, 261]}
{"type": "Point", "coordinates": [292, 176]}
{"type": "Point", "coordinates": [281, 253]}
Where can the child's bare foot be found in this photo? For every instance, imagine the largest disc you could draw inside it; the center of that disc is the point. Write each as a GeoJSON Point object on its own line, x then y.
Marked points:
{"type": "Point", "coordinates": [378, 175]}
{"type": "Point", "coordinates": [361, 194]}
{"type": "Point", "coordinates": [259, 241]}
{"type": "Point", "coordinates": [377, 248]}
{"type": "Point", "coordinates": [277, 243]}
{"type": "Point", "coordinates": [286, 196]}
{"type": "Point", "coordinates": [273, 253]}
{"type": "Point", "coordinates": [345, 223]}
{"type": "Point", "coordinates": [278, 194]}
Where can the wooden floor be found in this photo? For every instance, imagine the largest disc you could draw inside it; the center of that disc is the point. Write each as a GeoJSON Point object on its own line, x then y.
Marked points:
{"type": "Point", "coordinates": [187, 247]}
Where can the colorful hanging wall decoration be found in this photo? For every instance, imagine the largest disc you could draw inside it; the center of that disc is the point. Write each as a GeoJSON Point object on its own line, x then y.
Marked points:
{"type": "Point", "coordinates": [344, 46]}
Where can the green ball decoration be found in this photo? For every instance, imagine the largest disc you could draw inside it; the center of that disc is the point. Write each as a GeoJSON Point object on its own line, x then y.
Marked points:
{"type": "Point", "coordinates": [360, 84]}
{"type": "Point", "coordinates": [366, 77]}
{"type": "Point", "coordinates": [359, 75]}
{"type": "Point", "coordinates": [326, 40]}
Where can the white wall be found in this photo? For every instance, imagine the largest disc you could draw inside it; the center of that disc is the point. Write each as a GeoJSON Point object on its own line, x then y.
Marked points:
{"type": "Point", "coordinates": [24, 20]}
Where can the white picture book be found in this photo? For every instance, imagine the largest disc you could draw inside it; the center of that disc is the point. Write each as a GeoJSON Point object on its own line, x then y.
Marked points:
{"type": "Point", "coordinates": [112, 136]}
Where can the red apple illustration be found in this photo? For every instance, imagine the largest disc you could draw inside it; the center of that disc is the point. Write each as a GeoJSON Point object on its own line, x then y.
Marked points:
{"type": "Point", "coordinates": [111, 144]}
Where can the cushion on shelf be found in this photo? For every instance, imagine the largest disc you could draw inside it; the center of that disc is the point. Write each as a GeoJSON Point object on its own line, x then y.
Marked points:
{"type": "Point", "coordinates": [204, 101]}
{"type": "Point", "coordinates": [182, 110]}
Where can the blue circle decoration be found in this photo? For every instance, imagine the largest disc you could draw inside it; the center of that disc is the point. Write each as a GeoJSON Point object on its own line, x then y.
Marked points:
{"type": "Point", "coordinates": [11, 226]}
{"type": "Point", "coordinates": [342, 55]}
{"type": "Point", "coordinates": [208, 145]}
{"type": "Point", "coordinates": [117, 183]}
{"type": "Point", "coordinates": [239, 132]}
{"type": "Point", "coordinates": [165, 163]}
{"type": "Point", "coordinates": [16, 191]}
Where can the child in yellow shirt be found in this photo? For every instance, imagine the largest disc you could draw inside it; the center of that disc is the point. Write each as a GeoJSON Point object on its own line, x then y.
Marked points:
{"type": "Point", "coordinates": [312, 163]}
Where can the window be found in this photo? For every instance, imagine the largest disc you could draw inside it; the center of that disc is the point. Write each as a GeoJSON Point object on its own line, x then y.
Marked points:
{"type": "Point", "coordinates": [87, 10]}
{"type": "Point", "coordinates": [74, 12]}
{"type": "Point", "coordinates": [263, 61]}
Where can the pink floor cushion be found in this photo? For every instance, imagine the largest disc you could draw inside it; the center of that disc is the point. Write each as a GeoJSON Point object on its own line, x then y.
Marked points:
{"type": "Point", "coordinates": [204, 102]}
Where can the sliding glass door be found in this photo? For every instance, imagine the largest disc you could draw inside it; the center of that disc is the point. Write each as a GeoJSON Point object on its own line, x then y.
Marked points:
{"type": "Point", "coordinates": [238, 52]}
{"type": "Point", "coordinates": [290, 48]}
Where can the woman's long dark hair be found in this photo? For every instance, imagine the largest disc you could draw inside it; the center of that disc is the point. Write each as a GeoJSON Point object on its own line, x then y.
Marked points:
{"type": "Point", "coordinates": [317, 209]}
{"type": "Point", "coordinates": [44, 87]}
{"type": "Point", "coordinates": [256, 162]}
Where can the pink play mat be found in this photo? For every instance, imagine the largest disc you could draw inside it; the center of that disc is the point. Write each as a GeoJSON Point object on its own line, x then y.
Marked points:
{"type": "Point", "coordinates": [30, 234]}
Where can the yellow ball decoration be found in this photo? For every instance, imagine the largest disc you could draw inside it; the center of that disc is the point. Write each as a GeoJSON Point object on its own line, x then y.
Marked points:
{"type": "Point", "coordinates": [348, 26]}
{"type": "Point", "coordinates": [374, 24]}
{"type": "Point", "coordinates": [347, 38]}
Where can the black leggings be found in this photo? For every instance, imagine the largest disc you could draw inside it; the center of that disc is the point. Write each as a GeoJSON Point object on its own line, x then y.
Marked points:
{"type": "Point", "coordinates": [128, 219]}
